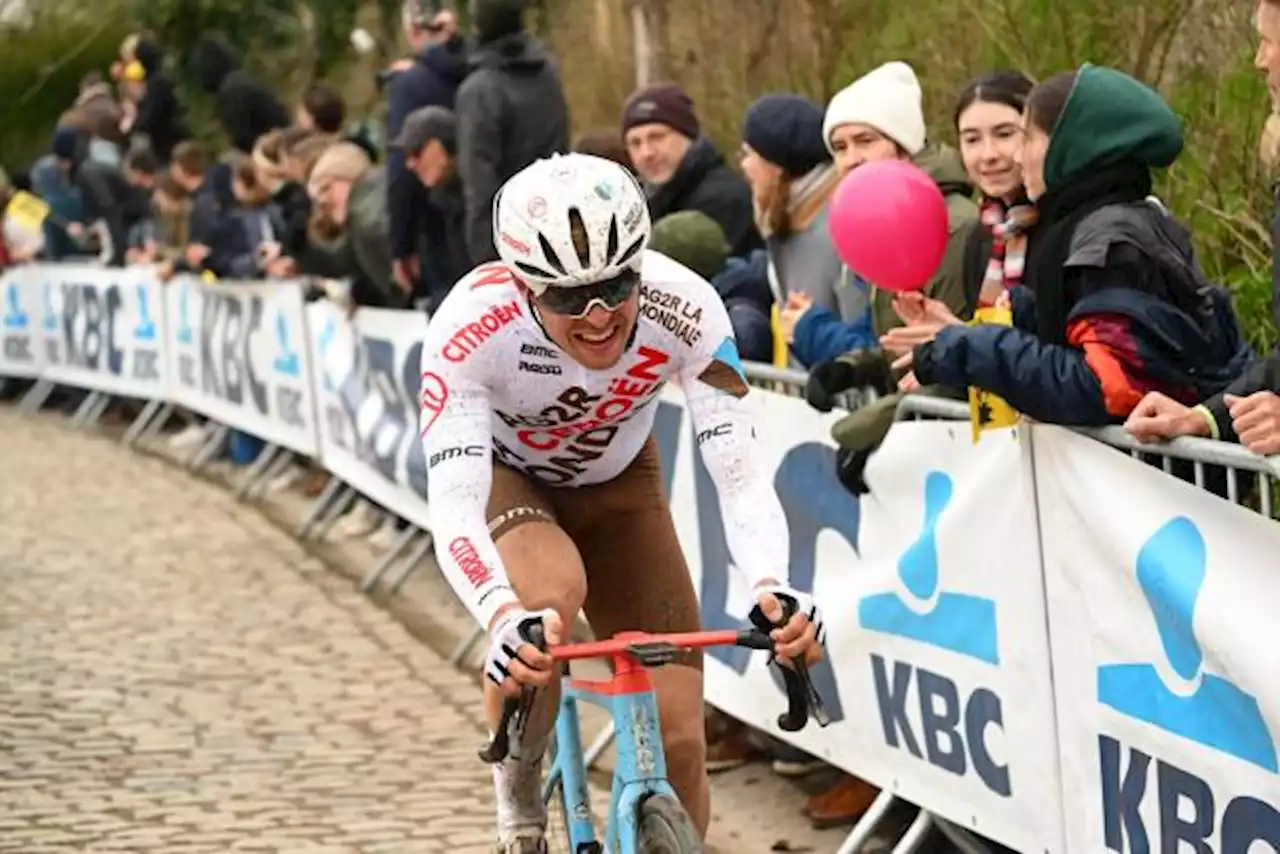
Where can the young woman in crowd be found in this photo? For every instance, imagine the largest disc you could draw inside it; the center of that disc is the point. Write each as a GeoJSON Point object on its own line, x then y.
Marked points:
{"type": "Point", "coordinates": [792, 177]}
{"type": "Point", "coordinates": [1115, 304]}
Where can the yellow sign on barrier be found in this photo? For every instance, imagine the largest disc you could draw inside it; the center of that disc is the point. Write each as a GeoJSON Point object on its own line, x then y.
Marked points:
{"type": "Point", "coordinates": [987, 410]}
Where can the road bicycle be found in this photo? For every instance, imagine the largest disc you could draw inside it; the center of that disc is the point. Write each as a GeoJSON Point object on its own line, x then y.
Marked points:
{"type": "Point", "coordinates": [644, 815]}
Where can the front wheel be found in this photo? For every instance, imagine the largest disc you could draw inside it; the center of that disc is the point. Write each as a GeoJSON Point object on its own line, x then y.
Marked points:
{"type": "Point", "coordinates": [665, 828]}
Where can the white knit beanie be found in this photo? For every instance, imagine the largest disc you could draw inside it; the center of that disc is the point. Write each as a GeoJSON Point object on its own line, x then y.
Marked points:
{"type": "Point", "coordinates": [887, 99]}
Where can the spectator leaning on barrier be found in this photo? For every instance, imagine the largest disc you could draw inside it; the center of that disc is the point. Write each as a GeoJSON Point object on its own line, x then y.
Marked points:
{"type": "Point", "coordinates": [1247, 412]}
{"type": "Point", "coordinates": [209, 190]}
{"type": "Point", "coordinates": [257, 217]}
{"type": "Point", "coordinates": [350, 216]}
{"type": "Point", "coordinates": [1116, 305]}
{"type": "Point", "coordinates": [511, 111]}
{"type": "Point", "coordinates": [246, 109]}
{"type": "Point", "coordinates": [428, 142]}
{"type": "Point", "coordinates": [792, 177]}
{"type": "Point", "coordinates": [680, 169]}
{"type": "Point", "coordinates": [108, 197]}
{"type": "Point", "coordinates": [430, 79]}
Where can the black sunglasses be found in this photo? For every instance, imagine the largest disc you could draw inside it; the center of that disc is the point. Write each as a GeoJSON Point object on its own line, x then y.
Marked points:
{"type": "Point", "coordinates": [576, 302]}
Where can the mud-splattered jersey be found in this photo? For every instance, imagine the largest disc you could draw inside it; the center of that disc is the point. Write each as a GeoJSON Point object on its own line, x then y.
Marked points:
{"type": "Point", "coordinates": [495, 386]}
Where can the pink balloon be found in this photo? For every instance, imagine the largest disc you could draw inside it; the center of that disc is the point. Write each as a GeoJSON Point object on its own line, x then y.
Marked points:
{"type": "Point", "coordinates": [889, 224]}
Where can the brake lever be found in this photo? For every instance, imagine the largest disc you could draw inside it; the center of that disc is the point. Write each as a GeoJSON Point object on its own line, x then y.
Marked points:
{"type": "Point", "coordinates": [515, 714]}
{"type": "Point", "coordinates": [803, 699]}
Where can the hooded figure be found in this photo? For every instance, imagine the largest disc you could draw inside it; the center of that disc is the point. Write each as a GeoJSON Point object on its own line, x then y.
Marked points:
{"type": "Point", "coordinates": [1115, 304]}
{"type": "Point", "coordinates": [511, 111]}
{"type": "Point", "coordinates": [246, 109]}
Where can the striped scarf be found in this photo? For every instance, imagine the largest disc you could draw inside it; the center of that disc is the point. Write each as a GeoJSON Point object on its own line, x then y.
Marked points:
{"type": "Point", "coordinates": [1008, 226]}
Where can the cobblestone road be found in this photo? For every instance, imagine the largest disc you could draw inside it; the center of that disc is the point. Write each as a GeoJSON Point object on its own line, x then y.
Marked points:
{"type": "Point", "coordinates": [178, 676]}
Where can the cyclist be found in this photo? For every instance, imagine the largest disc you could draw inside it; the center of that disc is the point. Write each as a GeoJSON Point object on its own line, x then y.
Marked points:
{"type": "Point", "coordinates": [540, 379]}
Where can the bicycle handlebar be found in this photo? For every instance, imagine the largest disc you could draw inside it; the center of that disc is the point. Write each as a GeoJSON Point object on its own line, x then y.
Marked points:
{"type": "Point", "coordinates": [803, 700]}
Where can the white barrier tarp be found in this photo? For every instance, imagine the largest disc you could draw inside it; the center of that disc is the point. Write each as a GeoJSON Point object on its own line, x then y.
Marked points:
{"type": "Point", "coordinates": [1162, 615]}
{"type": "Point", "coordinates": [22, 350]}
{"type": "Point", "coordinates": [366, 376]}
{"type": "Point", "coordinates": [102, 328]}
{"type": "Point", "coordinates": [937, 670]}
{"type": "Point", "coordinates": [238, 354]}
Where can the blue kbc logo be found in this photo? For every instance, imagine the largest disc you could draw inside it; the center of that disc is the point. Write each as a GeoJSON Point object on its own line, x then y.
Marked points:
{"type": "Point", "coordinates": [185, 333]}
{"type": "Point", "coordinates": [1171, 569]}
{"type": "Point", "coordinates": [287, 361]}
{"type": "Point", "coordinates": [51, 312]}
{"type": "Point", "coordinates": [323, 342]}
{"type": "Point", "coordinates": [14, 317]}
{"type": "Point", "coordinates": [146, 328]}
{"type": "Point", "coordinates": [957, 622]}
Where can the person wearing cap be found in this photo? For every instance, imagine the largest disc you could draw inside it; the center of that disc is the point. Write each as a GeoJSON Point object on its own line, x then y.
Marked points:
{"type": "Point", "coordinates": [350, 221]}
{"type": "Point", "coordinates": [681, 169]}
{"type": "Point", "coordinates": [430, 78]}
{"type": "Point", "coordinates": [428, 142]}
{"type": "Point", "coordinates": [511, 111]}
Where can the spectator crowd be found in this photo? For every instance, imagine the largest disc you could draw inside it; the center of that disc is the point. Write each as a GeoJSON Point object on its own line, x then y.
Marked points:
{"type": "Point", "coordinates": [1049, 198]}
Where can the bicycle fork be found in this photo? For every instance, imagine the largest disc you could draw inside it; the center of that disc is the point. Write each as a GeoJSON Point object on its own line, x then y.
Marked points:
{"type": "Point", "coordinates": [567, 771]}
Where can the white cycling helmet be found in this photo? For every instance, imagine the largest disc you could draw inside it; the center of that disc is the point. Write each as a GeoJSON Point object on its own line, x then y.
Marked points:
{"type": "Point", "coordinates": [570, 220]}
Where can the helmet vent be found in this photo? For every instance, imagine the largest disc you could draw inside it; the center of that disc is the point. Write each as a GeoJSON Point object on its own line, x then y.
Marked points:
{"type": "Point", "coordinates": [549, 253]}
{"type": "Point", "coordinates": [578, 233]}
{"type": "Point", "coordinates": [612, 248]}
{"type": "Point", "coordinates": [630, 251]}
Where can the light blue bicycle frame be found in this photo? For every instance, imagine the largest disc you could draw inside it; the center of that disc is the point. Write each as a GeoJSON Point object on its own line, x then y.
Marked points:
{"type": "Point", "coordinates": [641, 769]}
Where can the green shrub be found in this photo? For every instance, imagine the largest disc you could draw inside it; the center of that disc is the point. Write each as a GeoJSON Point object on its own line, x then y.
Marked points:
{"type": "Point", "coordinates": [44, 61]}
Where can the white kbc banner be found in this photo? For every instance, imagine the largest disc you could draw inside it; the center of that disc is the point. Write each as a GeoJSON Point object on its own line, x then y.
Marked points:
{"type": "Point", "coordinates": [93, 327]}
{"type": "Point", "coordinates": [1162, 613]}
{"type": "Point", "coordinates": [366, 372]}
{"type": "Point", "coordinates": [238, 354]}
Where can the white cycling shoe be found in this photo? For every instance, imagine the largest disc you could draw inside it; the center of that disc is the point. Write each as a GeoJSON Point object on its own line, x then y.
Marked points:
{"type": "Point", "coordinates": [523, 845]}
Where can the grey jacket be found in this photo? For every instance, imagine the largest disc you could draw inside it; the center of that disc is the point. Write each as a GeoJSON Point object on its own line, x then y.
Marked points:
{"type": "Point", "coordinates": [511, 111]}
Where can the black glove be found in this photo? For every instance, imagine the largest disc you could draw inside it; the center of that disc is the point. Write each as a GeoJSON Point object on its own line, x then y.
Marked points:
{"type": "Point", "coordinates": [862, 368]}
{"type": "Point", "coordinates": [828, 380]}
{"type": "Point", "coordinates": [850, 466]}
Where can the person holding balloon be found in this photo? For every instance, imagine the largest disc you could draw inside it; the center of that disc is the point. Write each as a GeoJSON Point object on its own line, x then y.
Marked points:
{"type": "Point", "coordinates": [1113, 304]}
{"type": "Point", "coordinates": [879, 119]}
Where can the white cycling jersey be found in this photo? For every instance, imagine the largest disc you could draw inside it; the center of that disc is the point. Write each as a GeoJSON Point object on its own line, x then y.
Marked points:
{"type": "Point", "coordinates": [494, 383]}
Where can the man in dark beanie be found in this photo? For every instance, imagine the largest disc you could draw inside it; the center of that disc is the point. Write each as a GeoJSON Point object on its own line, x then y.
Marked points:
{"type": "Point", "coordinates": [511, 111]}
{"type": "Point", "coordinates": [681, 169]}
